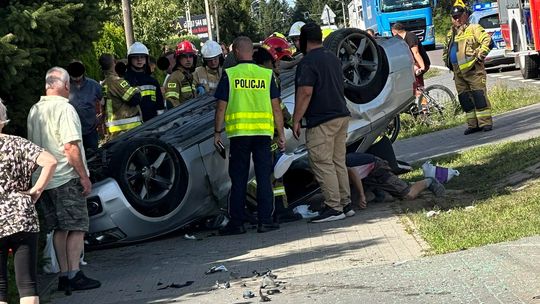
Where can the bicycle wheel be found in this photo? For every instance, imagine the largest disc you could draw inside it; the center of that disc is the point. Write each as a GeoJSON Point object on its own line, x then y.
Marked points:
{"type": "Point", "coordinates": [441, 100]}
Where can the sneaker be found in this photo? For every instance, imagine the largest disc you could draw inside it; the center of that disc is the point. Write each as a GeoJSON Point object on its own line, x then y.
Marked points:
{"type": "Point", "coordinates": [436, 187]}
{"type": "Point", "coordinates": [328, 215]}
{"type": "Point", "coordinates": [487, 128]}
{"type": "Point", "coordinates": [471, 130]}
{"type": "Point", "coordinates": [231, 229]}
{"type": "Point", "coordinates": [348, 210]}
{"type": "Point", "coordinates": [63, 282]}
{"type": "Point", "coordinates": [262, 228]}
{"type": "Point", "coordinates": [82, 282]}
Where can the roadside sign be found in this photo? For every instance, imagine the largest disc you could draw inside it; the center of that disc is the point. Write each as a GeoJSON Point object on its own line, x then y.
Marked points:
{"type": "Point", "coordinates": [328, 16]}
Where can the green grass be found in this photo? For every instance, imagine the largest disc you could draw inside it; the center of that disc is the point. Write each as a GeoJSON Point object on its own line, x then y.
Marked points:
{"type": "Point", "coordinates": [499, 214]}
{"type": "Point", "coordinates": [432, 73]}
{"type": "Point", "coordinates": [502, 100]}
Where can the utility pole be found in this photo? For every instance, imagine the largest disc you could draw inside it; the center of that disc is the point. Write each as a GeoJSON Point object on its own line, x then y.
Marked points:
{"type": "Point", "coordinates": [216, 20]}
{"type": "Point", "coordinates": [208, 20]}
{"type": "Point", "coordinates": [128, 22]}
{"type": "Point", "coordinates": [188, 19]}
{"type": "Point", "coordinates": [344, 16]}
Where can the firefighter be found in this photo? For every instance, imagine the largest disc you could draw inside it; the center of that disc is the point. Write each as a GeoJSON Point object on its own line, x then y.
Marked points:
{"type": "Point", "coordinates": [138, 74]}
{"type": "Point", "coordinates": [248, 104]}
{"type": "Point", "coordinates": [206, 77]}
{"type": "Point", "coordinates": [294, 36]}
{"type": "Point", "coordinates": [180, 86]}
{"type": "Point", "coordinates": [121, 99]}
{"type": "Point", "coordinates": [467, 45]}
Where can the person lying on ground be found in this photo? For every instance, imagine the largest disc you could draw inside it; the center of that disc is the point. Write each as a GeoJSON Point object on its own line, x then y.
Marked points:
{"type": "Point", "coordinates": [374, 172]}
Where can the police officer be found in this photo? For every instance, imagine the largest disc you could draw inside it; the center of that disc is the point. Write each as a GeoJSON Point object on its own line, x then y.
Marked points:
{"type": "Point", "coordinates": [179, 86]}
{"type": "Point", "coordinates": [248, 103]}
{"type": "Point", "coordinates": [138, 74]}
{"type": "Point", "coordinates": [121, 100]}
{"type": "Point", "coordinates": [467, 45]}
{"type": "Point", "coordinates": [206, 77]}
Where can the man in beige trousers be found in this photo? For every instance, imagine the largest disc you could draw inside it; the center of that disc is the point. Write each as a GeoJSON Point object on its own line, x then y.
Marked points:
{"type": "Point", "coordinates": [320, 100]}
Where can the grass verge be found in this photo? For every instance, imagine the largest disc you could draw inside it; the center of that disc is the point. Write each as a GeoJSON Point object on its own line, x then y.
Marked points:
{"type": "Point", "coordinates": [500, 213]}
{"type": "Point", "coordinates": [502, 98]}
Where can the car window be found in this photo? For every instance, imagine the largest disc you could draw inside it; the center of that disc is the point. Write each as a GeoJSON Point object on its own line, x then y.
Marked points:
{"type": "Point", "coordinates": [489, 22]}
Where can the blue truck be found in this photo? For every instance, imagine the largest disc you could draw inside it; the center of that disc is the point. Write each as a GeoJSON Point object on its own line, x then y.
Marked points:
{"type": "Point", "coordinates": [415, 15]}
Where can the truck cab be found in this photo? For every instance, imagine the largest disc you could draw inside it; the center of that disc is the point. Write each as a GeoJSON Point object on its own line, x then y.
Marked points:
{"type": "Point", "coordinates": [380, 15]}
{"type": "Point", "coordinates": [520, 26]}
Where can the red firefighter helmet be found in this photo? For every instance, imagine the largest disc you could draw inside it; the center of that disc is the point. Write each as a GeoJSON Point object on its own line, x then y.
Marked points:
{"type": "Point", "coordinates": [277, 47]}
{"type": "Point", "coordinates": [185, 47]}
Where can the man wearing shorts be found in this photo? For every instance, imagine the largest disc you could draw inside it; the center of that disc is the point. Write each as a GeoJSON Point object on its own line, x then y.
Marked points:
{"type": "Point", "coordinates": [369, 170]}
{"type": "Point", "coordinates": [54, 125]}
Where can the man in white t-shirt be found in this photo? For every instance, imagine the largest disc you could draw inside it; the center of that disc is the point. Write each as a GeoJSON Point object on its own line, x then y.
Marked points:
{"type": "Point", "coordinates": [53, 123]}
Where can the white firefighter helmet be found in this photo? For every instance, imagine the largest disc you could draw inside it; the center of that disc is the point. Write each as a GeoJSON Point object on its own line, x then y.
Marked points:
{"type": "Point", "coordinates": [295, 28]}
{"type": "Point", "coordinates": [138, 48]}
{"type": "Point", "coordinates": [211, 49]}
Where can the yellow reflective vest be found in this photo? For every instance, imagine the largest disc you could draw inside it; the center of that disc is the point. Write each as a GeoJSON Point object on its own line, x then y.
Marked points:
{"type": "Point", "coordinates": [473, 44]}
{"type": "Point", "coordinates": [249, 108]}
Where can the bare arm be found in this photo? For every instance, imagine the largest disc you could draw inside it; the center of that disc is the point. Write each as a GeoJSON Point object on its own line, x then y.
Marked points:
{"type": "Point", "coordinates": [220, 118]}
{"type": "Point", "coordinates": [418, 58]}
{"type": "Point", "coordinates": [303, 97]}
{"type": "Point", "coordinates": [74, 158]}
{"type": "Point", "coordinates": [278, 121]}
{"type": "Point", "coordinates": [357, 183]}
{"type": "Point", "coordinates": [48, 164]}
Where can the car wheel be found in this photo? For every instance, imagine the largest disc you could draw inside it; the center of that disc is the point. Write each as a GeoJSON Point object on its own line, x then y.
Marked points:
{"type": "Point", "coordinates": [151, 174]}
{"type": "Point", "coordinates": [393, 128]}
{"type": "Point", "coordinates": [363, 62]}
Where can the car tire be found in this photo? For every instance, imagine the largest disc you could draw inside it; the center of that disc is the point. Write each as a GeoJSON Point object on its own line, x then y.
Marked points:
{"type": "Point", "coordinates": [364, 64]}
{"type": "Point", "coordinates": [529, 66]}
{"type": "Point", "coordinates": [152, 175]}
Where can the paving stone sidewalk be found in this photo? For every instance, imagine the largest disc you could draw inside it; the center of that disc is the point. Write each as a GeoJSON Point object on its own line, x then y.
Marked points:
{"type": "Point", "coordinates": [131, 274]}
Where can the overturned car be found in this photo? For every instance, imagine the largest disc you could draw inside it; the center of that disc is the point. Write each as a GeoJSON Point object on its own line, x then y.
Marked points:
{"type": "Point", "coordinates": [166, 173]}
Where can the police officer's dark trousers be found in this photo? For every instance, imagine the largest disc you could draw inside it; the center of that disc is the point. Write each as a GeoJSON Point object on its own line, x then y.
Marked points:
{"type": "Point", "coordinates": [241, 150]}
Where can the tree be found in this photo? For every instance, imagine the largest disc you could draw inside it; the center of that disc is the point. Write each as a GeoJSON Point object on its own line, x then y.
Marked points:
{"type": "Point", "coordinates": [35, 36]}
{"type": "Point", "coordinates": [275, 16]}
{"type": "Point", "coordinates": [154, 20]}
{"type": "Point", "coordinates": [235, 20]}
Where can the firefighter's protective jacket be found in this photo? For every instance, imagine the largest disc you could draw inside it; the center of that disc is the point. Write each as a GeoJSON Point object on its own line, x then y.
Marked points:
{"type": "Point", "coordinates": [179, 87]}
{"type": "Point", "coordinates": [472, 42]}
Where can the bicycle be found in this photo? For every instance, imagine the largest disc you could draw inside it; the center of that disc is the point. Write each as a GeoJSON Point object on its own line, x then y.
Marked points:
{"type": "Point", "coordinates": [434, 101]}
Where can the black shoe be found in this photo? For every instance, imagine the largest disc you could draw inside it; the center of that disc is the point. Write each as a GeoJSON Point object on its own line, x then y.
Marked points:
{"type": "Point", "coordinates": [348, 210]}
{"type": "Point", "coordinates": [63, 282]}
{"type": "Point", "coordinates": [487, 128]}
{"type": "Point", "coordinates": [230, 229]}
{"type": "Point", "coordinates": [82, 282]}
{"type": "Point", "coordinates": [328, 215]}
{"type": "Point", "coordinates": [262, 228]}
{"type": "Point", "coordinates": [471, 130]}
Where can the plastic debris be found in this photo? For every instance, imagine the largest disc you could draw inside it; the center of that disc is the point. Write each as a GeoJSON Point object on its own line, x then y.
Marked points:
{"type": "Point", "coordinates": [190, 237]}
{"type": "Point", "coordinates": [264, 298]}
{"type": "Point", "coordinates": [268, 282]}
{"type": "Point", "coordinates": [432, 213]}
{"type": "Point", "coordinates": [222, 285]}
{"type": "Point", "coordinates": [273, 291]}
{"type": "Point", "coordinates": [468, 208]}
{"type": "Point", "coordinates": [304, 211]}
{"type": "Point", "coordinates": [214, 269]}
{"type": "Point", "coordinates": [442, 174]}
{"type": "Point", "coordinates": [174, 285]}
{"type": "Point", "coordinates": [248, 294]}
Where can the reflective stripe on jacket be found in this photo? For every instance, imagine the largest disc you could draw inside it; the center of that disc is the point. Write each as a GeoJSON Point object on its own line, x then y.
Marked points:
{"type": "Point", "coordinates": [249, 108]}
{"type": "Point", "coordinates": [473, 43]}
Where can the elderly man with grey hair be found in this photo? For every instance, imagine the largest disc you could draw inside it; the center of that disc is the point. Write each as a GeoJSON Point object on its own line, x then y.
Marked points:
{"type": "Point", "coordinates": [54, 125]}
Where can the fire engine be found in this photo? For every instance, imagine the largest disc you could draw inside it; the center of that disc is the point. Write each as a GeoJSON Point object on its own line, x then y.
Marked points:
{"type": "Point", "coordinates": [520, 26]}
